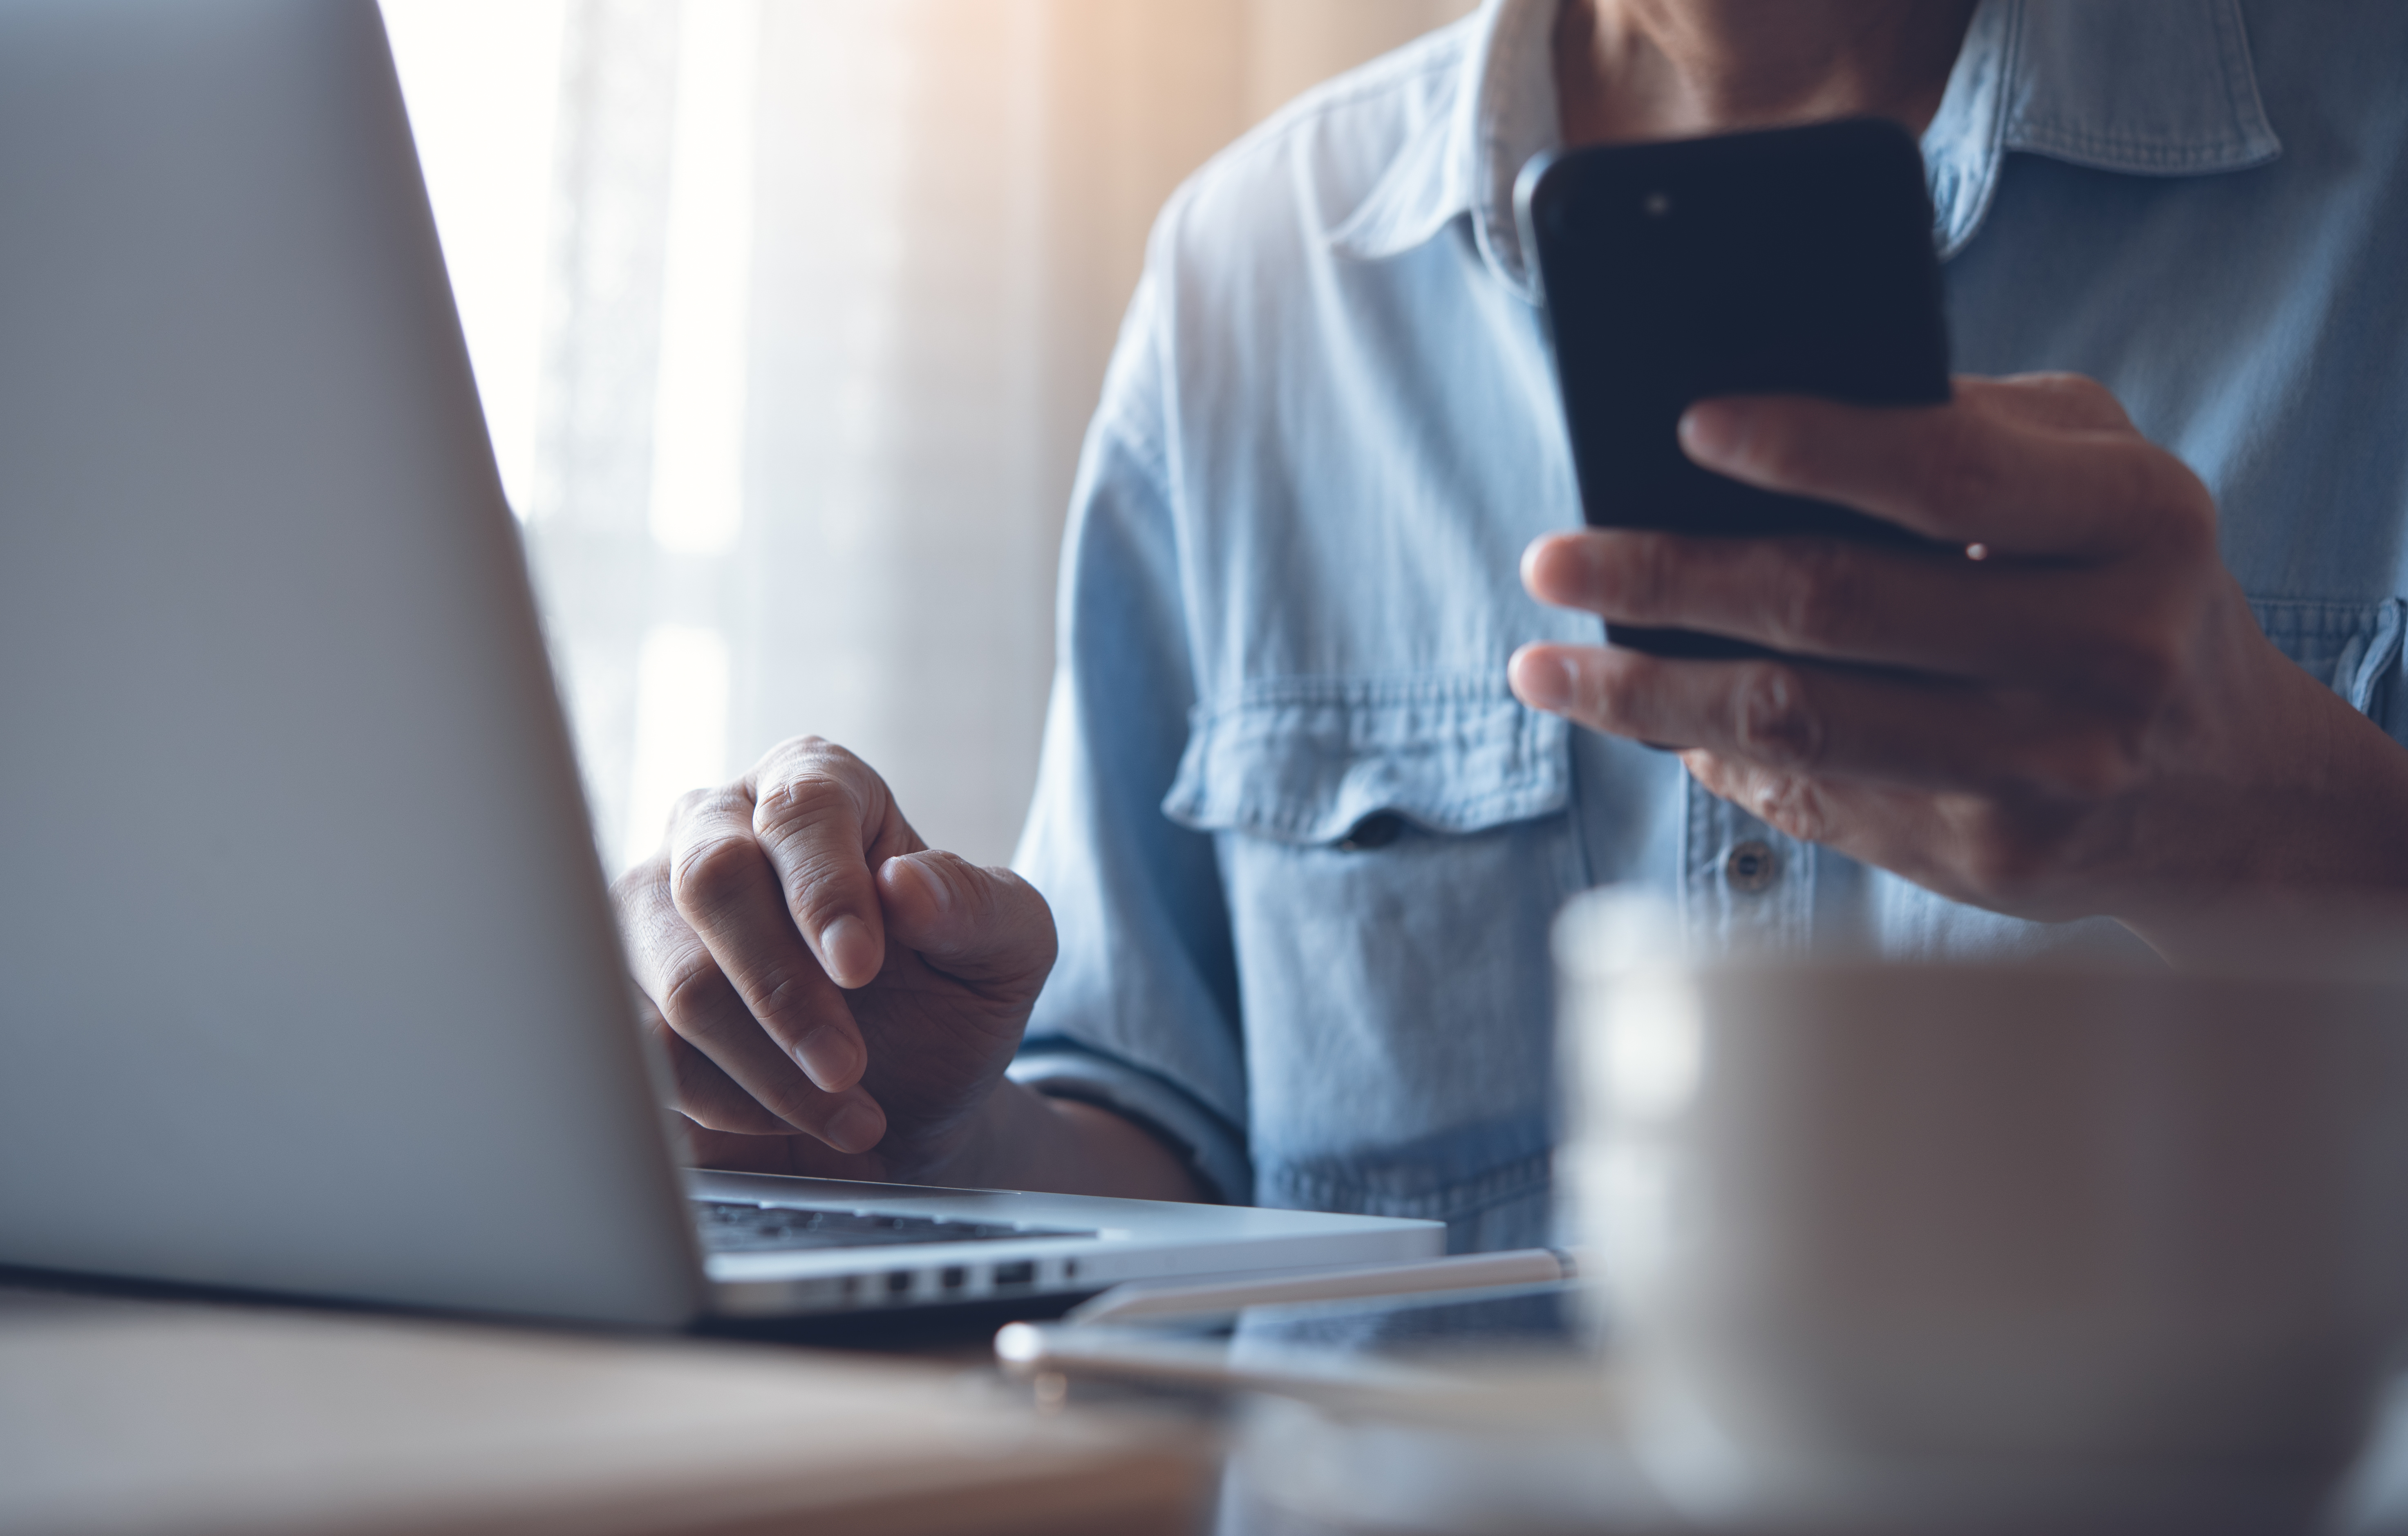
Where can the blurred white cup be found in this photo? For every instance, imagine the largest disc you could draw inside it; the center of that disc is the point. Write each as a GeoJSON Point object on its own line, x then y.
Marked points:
{"type": "Point", "coordinates": [1950, 1248]}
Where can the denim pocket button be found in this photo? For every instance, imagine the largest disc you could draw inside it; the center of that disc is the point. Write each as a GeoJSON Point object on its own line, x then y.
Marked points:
{"type": "Point", "coordinates": [1750, 865]}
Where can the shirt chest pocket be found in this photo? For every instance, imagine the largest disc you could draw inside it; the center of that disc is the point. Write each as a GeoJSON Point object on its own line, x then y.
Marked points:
{"type": "Point", "coordinates": [1306, 762]}
{"type": "Point", "coordinates": [2351, 647]}
{"type": "Point", "coordinates": [1392, 851]}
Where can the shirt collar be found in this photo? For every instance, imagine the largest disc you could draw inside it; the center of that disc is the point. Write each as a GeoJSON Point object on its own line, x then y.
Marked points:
{"type": "Point", "coordinates": [2144, 87]}
{"type": "Point", "coordinates": [2158, 89]}
{"type": "Point", "coordinates": [1465, 160]}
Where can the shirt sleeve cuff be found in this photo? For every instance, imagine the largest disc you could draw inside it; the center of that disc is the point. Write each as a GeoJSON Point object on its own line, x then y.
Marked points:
{"type": "Point", "coordinates": [1214, 1154]}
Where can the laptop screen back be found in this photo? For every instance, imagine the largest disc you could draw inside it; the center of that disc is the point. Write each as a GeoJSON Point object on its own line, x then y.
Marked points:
{"type": "Point", "coordinates": [311, 983]}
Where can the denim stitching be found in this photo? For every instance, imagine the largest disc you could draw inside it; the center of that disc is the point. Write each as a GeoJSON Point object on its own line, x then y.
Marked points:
{"type": "Point", "coordinates": [1452, 1201]}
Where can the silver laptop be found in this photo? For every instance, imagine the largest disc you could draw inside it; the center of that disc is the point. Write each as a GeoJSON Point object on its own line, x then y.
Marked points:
{"type": "Point", "coordinates": [311, 982]}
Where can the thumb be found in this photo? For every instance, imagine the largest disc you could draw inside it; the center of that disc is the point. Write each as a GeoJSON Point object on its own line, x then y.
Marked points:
{"type": "Point", "coordinates": [988, 928]}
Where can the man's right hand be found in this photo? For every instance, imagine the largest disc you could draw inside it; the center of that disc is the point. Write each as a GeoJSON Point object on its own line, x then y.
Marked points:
{"type": "Point", "coordinates": [835, 999]}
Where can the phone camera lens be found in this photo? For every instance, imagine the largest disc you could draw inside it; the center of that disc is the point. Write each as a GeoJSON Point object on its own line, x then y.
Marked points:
{"type": "Point", "coordinates": [1658, 205]}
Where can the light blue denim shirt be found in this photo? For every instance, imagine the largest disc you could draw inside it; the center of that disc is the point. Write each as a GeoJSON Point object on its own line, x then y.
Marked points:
{"type": "Point", "coordinates": [1303, 845]}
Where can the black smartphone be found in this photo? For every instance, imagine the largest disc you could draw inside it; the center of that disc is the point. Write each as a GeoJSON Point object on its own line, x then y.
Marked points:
{"type": "Point", "coordinates": [1791, 261]}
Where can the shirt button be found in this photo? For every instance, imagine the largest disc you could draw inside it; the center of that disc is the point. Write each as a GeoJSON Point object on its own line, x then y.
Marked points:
{"type": "Point", "coordinates": [1750, 865]}
{"type": "Point", "coordinates": [1376, 830]}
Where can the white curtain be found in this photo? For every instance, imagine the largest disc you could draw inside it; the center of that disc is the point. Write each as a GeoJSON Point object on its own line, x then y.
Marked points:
{"type": "Point", "coordinates": [789, 315]}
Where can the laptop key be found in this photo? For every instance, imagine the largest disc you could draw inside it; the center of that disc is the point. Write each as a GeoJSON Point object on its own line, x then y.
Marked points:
{"type": "Point", "coordinates": [735, 1227]}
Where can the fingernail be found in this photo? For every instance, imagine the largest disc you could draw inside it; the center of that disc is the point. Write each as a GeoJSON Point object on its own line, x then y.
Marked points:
{"type": "Point", "coordinates": [1544, 682]}
{"type": "Point", "coordinates": [854, 1127]}
{"type": "Point", "coordinates": [1712, 430]}
{"type": "Point", "coordinates": [850, 951]}
{"type": "Point", "coordinates": [830, 1058]}
{"type": "Point", "coordinates": [1530, 554]}
{"type": "Point", "coordinates": [932, 880]}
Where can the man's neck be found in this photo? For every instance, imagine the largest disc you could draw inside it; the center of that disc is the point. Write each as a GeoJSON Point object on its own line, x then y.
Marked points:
{"type": "Point", "coordinates": [1628, 70]}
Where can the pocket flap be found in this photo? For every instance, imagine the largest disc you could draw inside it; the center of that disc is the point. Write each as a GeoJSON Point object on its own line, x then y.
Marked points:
{"type": "Point", "coordinates": [2350, 647]}
{"type": "Point", "coordinates": [1303, 760]}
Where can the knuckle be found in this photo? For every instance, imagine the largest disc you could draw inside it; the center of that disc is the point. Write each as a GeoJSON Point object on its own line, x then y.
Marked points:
{"type": "Point", "coordinates": [2095, 399]}
{"type": "Point", "coordinates": [2009, 849]}
{"type": "Point", "coordinates": [705, 1095]}
{"type": "Point", "coordinates": [1045, 943]}
{"type": "Point", "coordinates": [1790, 803]}
{"type": "Point", "coordinates": [720, 804]}
{"type": "Point", "coordinates": [696, 806]}
{"type": "Point", "coordinates": [804, 761]}
{"type": "Point", "coordinates": [689, 985]}
{"type": "Point", "coordinates": [780, 994]}
{"type": "Point", "coordinates": [2138, 670]}
{"type": "Point", "coordinates": [711, 874]}
{"type": "Point", "coordinates": [1007, 886]}
{"type": "Point", "coordinates": [684, 809]}
{"type": "Point", "coordinates": [2135, 476]}
{"type": "Point", "coordinates": [1010, 909]}
{"type": "Point", "coordinates": [794, 1105]}
{"type": "Point", "coordinates": [2085, 396]}
{"type": "Point", "coordinates": [2100, 765]}
{"type": "Point", "coordinates": [1820, 597]}
{"type": "Point", "coordinates": [794, 753]}
{"type": "Point", "coordinates": [2068, 767]}
{"type": "Point", "coordinates": [2159, 498]}
{"type": "Point", "coordinates": [824, 754]}
{"type": "Point", "coordinates": [1615, 697]}
{"type": "Point", "coordinates": [1776, 722]}
{"type": "Point", "coordinates": [792, 804]}
{"type": "Point", "coordinates": [699, 1091]}
{"type": "Point", "coordinates": [791, 1096]}
{"type": "Point", "coordinates": [641, 884]}
{"type": "Point", "coordinates": [823, 893]}
{"type": "Point", "coordinates": [1646, 577]}
{"type": "Point", "coordinates": [964, 884]}
{"type": "Point", "coordinates": [1960, 467]}
{"type": "Point", "coordinates": [718, 1104]}
{"type": "Point", "coordinates": [820, 879]}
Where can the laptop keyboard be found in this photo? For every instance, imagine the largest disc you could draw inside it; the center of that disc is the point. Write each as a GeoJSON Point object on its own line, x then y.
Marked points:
{"type": "Point", "coordinates": [734, 1227]}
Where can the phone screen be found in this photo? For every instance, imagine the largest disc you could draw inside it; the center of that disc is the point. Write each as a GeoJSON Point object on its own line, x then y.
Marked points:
{"type": "Point", "coordinates": [1790, 261]}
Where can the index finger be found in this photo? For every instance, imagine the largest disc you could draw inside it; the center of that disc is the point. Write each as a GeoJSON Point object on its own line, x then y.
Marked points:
{"type": "Point", "coordinates": [826, 820]}
{"type": "Point", "coordinates": [723, 887]}
{"type": "Point", "coordinates": [1967, 472]}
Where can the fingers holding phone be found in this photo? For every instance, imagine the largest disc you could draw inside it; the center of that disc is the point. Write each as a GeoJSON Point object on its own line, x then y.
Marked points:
{"type": "Point", "coordinates": [2061, 698]}
{"type": "Point", "coordinates": [1975, 632]}
{"type": "Point", "coordinates": [2045, 466]}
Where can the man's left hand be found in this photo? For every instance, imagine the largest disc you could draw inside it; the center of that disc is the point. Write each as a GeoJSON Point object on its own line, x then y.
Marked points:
{"type": "Point", "coordinates": [2064, 707]}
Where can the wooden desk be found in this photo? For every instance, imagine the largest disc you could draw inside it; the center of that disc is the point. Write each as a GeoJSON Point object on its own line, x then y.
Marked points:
{"type": "Point", "coordinates": [185, 1417]}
